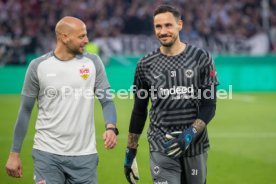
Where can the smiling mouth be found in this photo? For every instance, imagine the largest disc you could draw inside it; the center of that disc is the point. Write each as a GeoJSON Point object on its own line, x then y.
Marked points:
{"type": "Point", "coordinates": [164, 38]}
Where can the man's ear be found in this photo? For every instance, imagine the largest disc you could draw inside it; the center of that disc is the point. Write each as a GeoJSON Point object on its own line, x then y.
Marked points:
{"type": "Point", "coordinates": [180, 25]}
{"type": "Point", "coordinates": [64, 37]}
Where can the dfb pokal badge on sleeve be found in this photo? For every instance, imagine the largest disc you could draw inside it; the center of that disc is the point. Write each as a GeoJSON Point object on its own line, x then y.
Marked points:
{"type": "Point", "coordinates": [84, 72]}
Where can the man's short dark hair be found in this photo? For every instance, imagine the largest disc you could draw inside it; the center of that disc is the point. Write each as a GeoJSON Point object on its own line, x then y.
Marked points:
{"type": "Point", "coordinates": [167, 8]}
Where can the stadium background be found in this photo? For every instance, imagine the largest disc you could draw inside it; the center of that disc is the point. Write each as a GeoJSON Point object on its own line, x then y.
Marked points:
{"type": "Point", "coordinates": [241, 35]}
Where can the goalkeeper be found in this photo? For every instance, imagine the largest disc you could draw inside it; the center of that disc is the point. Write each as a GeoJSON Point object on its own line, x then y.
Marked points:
{"type": "Point", "coordinates": [180, 80]}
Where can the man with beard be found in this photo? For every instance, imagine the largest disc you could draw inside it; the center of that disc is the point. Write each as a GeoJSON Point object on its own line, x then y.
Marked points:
{"type": "Point", "coordinates": [180, 80]}
{"type": "Point", "coordinates": [64, 82]}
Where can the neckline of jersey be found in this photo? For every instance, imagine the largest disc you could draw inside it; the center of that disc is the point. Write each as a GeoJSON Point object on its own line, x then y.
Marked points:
{"type": "Point", "coordinates": [65, 61]}
{"type": "Point", "coordinates": [182, 52]}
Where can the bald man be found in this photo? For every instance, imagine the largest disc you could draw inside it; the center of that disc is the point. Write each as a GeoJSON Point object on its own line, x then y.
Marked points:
{"type": "Point", "coordinates": [64, 82]}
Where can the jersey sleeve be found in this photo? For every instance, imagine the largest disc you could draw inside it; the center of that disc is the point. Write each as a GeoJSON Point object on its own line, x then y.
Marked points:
{"type": "Point", "coordinates": [139, 78]}
{"type": "Point", "coordinates": [22, 122]}
{"type": "Point", "coordinates": [31, 83]}
{"type": "Point", "coordinates": [141, 99]}
{"type": "Point", "coordinates": [101, 81]}
{"type": "Point", "coordinates": [208, 74]}
{"type": "Point", "coordinates": [108, 107]}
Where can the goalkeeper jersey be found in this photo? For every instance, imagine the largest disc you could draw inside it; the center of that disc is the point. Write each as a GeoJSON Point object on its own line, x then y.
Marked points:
{"type": "Point", "coordinates": [173, 84]}
{"type": "Point", "coordinates": [65, 100]}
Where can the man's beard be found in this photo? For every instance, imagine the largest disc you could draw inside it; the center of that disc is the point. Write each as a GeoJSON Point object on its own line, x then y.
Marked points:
{"type": "Point", "coordinates": [74, 50]}
{"type": "Point", "coordinates": [167, 44]}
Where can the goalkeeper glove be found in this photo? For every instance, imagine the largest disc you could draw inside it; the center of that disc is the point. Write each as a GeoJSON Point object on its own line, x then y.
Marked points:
{"type": "Point", "coordinates": [130, 166]}
{"type": "Point", "coordinates": [179, 142]}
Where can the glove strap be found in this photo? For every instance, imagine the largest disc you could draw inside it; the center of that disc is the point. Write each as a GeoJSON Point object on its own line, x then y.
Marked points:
{"type": "Point", "coordinates": [130, 155]}
{"type": "Point", "coordinates": [190, 134]}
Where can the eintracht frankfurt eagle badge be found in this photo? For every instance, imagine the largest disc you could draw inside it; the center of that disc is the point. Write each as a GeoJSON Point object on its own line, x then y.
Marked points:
{"type": "Point", "coordinates": [189, 73]}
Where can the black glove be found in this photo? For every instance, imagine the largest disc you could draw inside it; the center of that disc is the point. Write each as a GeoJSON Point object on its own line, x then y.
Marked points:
{"type": "Point", "coordinates": [130, 166]}
{"type": "Point", "coordinates": [179, 142]}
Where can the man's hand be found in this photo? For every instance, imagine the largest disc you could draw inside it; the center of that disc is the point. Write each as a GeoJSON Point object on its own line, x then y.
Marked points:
{"type": "Point", "coordinates": [110, 138]}
{"type": "Point", "coordinates": [14, 165]}
{"type": "Point", "coordinates": [130, 166]}
{"type": "Point", "coordinates": [179, 142]}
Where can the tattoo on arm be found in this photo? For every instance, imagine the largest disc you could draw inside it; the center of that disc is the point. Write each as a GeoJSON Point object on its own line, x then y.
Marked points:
{"type": "Point", "coordinates": [133, 140]}
{"type": "Point", "coordinates": [199, 125]}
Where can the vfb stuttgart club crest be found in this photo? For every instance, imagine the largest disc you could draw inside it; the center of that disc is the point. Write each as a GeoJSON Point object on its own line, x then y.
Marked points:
{"type": "Point", "coordinates": [84, 72]}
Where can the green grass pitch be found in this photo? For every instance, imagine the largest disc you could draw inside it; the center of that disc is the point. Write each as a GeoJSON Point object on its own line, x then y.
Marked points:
{"type": "Point", "coordinates": [242, 135]}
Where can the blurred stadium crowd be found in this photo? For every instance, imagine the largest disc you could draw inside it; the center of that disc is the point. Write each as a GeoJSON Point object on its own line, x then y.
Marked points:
{"type": "Point", "coordinates": [222, 26]}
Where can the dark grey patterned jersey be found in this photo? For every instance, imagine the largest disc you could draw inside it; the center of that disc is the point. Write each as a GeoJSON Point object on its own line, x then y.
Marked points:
{"type": "Point", "coordinates": [173, 84]}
